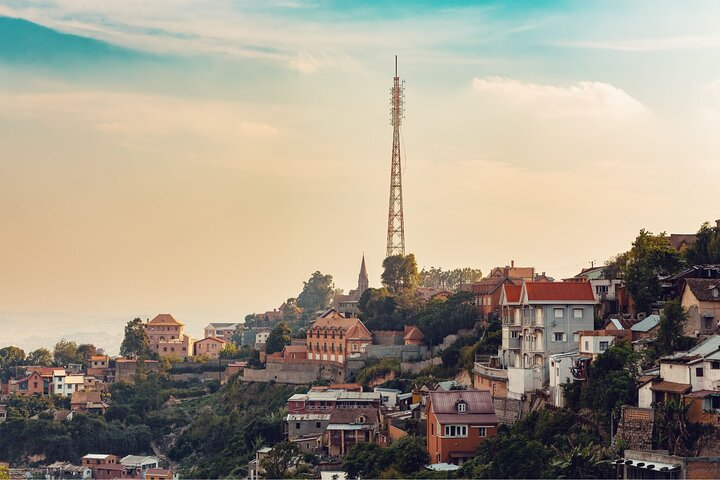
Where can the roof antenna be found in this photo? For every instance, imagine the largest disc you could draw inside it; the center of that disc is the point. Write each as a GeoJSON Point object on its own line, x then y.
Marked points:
{"type": "Point", "coordinates": [396, 65]}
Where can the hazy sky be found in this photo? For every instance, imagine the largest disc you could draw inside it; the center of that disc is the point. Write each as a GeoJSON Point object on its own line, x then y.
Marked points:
{"type": "Point", "coordinates": [203, 158]}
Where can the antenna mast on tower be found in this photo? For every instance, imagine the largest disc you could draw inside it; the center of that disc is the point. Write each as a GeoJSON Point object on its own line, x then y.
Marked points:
{"type": "Point", "coordinates": [396, 222]}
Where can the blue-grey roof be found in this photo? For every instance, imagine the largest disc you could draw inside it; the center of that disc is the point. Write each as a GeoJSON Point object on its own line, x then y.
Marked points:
{"type": "Point", "coordinates": [646, 325]}
{"type": "Point", "coordinates": [707, 349]}
{"type": "Point", "coordinates": [617, 323]}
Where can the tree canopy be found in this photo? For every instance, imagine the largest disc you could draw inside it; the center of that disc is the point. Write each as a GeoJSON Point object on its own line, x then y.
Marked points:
{"type": "Point", "coordinates": [450, 280]}
{"type": "Point", "coordinates": [317, 292]}
{"type": "Point", "coordinates": [706, 248]}
{"type": "Point", "coordinates": [42, 357]}
{"type": "Point", "coordinates": [279, 336]}
{"type": "Point", "coordinates": [399, 272]}
{"type": "Point", "coordinates": [136, 342]}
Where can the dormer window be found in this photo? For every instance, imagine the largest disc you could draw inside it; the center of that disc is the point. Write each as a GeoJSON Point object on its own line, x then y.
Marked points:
{"type": "Point", "coordinates": [461, 407]}
{"type": "Point", "coordinates": [361, 419]}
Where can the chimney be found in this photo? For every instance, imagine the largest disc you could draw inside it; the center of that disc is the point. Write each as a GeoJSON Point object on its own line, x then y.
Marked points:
{"type": "Point", "coordinates": [512, 262]}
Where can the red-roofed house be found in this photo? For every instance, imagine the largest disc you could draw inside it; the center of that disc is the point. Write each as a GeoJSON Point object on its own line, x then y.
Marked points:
{"type": "Point", "coordinates": [31, 385]}
{"type": "Point", "coordinates": [539, 319]}
{"type": "Point", "coordinates": [458, 421]}
{"type": "Point", "coordinates": [167, 337]}
{"type": "Point", "coordinates": [413, 336]}
{"type": "Point", "coordinates": [333, 338]}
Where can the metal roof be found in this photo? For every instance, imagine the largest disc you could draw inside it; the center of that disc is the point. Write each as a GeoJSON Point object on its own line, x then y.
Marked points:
{"type": "Point", "coordinates": [647, 324]}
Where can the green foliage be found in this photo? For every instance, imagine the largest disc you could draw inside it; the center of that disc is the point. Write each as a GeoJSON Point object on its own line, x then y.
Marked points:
{"type": "Point", "coordinates": [610, 384]}
{"type": "Point", "coordinates": [136, 343]}
{"type": "Point", "coordinates": [29, 406]}
{"type": "Point", "coordinates": [42, 357]}
{"type": "Point", "coordinates": [513, 455]}
{"type": "Point", "coordinates": [4, 472]}
{"type": "Point", "coordinates": [399, 272]}
{"type": "Point", "coordinates": [317, 293]}
{"type": "Point", "coordinates": [279, 337]}
{"type": "Point", "coordinates": [450, 280]}
{"type": "Point", "coordinates": [706, 248]}
{"type": "Point", "coordinates": [66, 352]}
{"type": "Point", "coordinates": [10, 357]}
{"type": "Point", "coordinates": [589, 461]}
{"type": "Point", "coordinates": [377, 368]}
{"type": "Point", "coordinates": [441, 318]}
{"type": "Point", "coordinates": [404, 456]}
{"type": "Point", "coordinates": [671, 329]}
{"type": "Point", "coordinates": [282, 457]}
{"type": "Point", "coordinates": [650, 256]}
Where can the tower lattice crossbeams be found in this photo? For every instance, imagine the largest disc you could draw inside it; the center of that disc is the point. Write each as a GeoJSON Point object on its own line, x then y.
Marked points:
{"type": "Point", "coordinates": [396, 222]}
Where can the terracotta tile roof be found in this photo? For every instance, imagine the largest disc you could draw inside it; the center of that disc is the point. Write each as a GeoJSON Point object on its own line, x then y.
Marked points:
{"type": "Point", "coordinates": [703, 288]}
{"type": "Point", "coordinates": [479, 406]}
{"type": "Point", "coordinates": [559, 291]}
{"type": "Point", "coordinates": [295, 348]}
{"type": "Point", "coordinates": [414, 334]}
{"type": "Point", "coordinates": [487, 286]}
{"type": "Point", "coordinates": [164, 319]}
{"type": "Point", "coordinates": [512, 293]}
{"type": "Point", "coordinates": [86, 397]}
{"type": "Point", "coordinates": [671, 387]}
{"type": "Point", "coordinates": [214, 339]}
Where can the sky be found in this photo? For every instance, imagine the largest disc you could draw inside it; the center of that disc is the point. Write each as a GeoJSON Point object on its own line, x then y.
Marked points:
{"type": "Point", "coordinates": [203, 158]}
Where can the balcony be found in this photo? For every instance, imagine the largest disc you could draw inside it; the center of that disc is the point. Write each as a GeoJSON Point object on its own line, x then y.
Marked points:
{"type": "Point", "coordinates": [488, 372]}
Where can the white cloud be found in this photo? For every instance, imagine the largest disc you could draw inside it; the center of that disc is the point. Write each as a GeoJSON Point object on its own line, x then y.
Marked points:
{"type": "Point", "coordinates": [304, 63]}
{"type": "Point", "coordinates": [651, 44]}
{"type": "Point", "coordinates": [584, 98]}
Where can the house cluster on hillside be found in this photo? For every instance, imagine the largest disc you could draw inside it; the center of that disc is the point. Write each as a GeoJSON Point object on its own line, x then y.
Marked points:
{"type": "Point", "coordinates": [110, 467]}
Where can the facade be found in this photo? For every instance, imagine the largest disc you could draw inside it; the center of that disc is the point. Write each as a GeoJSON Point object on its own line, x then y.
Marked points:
{"type": "Point", "coordinates": [224, 331]}
{"type": "Point", "coordinates": [33, 384]}
{"type": "Point", "coordinates": [126, 368]}
{"type": "Point", "coordinates": [167, 337]}
{"type": "Point", "coordinates": [562, 371]}
{"type": "Point", "coordinates": [209, 347]}
{"type": "Point", "coordinates": [321, 401]}
{"type": "Point", "coordinates": [261, 336]}
{"type": "Point", "coordinates": [98, 366]}
{"type": "Point", "coordinates": [65, 385]}
{"type": "Point", "coordinates": [334, 338]}
{"type": "Point", "coordinates": [606, 290]}
{"type": "Point", "coordinates": [540, 319]}
{"type": "Point", "coordinates": [592, 343]}
{"type": "Point", "coordinates": [90, 402]}
{"type": "Point", "coordinates": [348, 427]}
{"type": "Point", "coordinates": [701, 298]}
{"type": "Point", "coordinates": [660, 464]}
{"type": "Point", "coordinates": [458, 421]}
{"type": "Point", "coordinates": [138, 465]}
{"type": "Point", "coordinates": [487, 292]}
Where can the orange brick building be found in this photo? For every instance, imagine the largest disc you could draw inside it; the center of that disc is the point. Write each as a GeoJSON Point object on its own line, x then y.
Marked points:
{"type": "Point", "coordinates": [458, 421]}
{"type": "Point", "coordinates": [333, 338]}
{"type": "Point", "coordinates": [167, 337]}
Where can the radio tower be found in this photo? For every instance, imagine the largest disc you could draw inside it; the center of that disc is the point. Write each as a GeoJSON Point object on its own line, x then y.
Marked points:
{"type": "Point", "coordinates": [396, 223]}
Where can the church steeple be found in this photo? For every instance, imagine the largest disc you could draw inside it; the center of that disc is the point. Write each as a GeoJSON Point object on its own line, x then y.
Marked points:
{"type": "Point", "coordinates": [363, 280]}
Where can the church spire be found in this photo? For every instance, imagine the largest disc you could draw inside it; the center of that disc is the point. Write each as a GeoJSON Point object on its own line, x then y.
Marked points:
{"type": "Point", "coordinates": [363, 280]}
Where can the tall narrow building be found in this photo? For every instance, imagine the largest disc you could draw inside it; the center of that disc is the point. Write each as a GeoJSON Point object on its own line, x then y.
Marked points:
{"type": "Point", "coordinates": [396, 222]}
{"type": "Point", "coordinates": [363, 279]}
{"type": "Point", "coordinates": [347, 305]}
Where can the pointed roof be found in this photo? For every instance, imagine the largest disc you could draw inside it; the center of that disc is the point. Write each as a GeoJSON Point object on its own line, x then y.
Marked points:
{"type": "Point", "coordinates": [414, 334]}
{"type": "Point", "coordinates": [363, 269]}
{"type": "Point", "coordinates": [510, 294]}
{"type": "Point", "coordinates": [164, 319]}
{"type": "Point", "coordinates": [557, 292]}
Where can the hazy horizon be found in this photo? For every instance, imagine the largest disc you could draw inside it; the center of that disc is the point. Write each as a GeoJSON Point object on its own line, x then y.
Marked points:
{"type": "Point", "coordinates": [204, 158]}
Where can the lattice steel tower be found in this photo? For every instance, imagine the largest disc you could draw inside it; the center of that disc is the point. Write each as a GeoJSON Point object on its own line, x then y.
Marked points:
{"type": "Point", "coordinates": [396, 223]}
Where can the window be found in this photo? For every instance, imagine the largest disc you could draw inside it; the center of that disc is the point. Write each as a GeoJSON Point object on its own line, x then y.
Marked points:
{"type": "Point", "coordinates": [577, 313]}
{"type": "Point", "coordinates": [317, 425]}
{"type": "Point", "coordinates": [558, 337]}
{"type": "Point", "coordinates": [432, 429]}
{"type": "Point", "coordinates": [576, 337]}
{"type": "Point", "coordinates": [482, 432]}
{"type": "Point", "coordinates": [297, 425]}
{"type": "Point", "coordinates": [600, 289]}
{"type": "Point", "coordinates": [715, 365]}
{"type": "Point", "coordinates": [355, 347]}
{"type": "Point", "coordinates": [456, 430]}
{"type": "Point", "coordinates": [603, 346]}
{"type": "Point", "coordinates": [699, 372]}
{"type": "Point", "coordinates": [558, 312]}
{"type": "Point", "coordinates": [587, 345]}
{"type": "Point", "coordinates": [514, 334]}
{"type": "Point", "coordinates": [461, 407]}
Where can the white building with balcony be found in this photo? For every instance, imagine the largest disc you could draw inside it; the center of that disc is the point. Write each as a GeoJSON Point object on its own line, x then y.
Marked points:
{"type": "Point", "coordinates": [540, 319]}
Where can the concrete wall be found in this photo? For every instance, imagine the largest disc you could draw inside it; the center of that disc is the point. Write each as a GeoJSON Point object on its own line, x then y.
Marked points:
{"type": "Point", "coordinates": [403, 352]}
{"type": "Point", "coordinates": [299, 373]}
{"type": "Point", "coordinates": [417, 367]}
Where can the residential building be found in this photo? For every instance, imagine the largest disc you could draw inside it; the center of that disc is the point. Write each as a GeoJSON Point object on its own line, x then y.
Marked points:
{"type": "Point", "coordinates": [209, 347]}
{"type": "Point", "coordinates": [326, 400]}
{"type": "Point", "coordinates": [127, 368]}
{"type": "Point", "coordinates": [138, 465]}
{"type": "Point", "coordinates": [167, 337]}
{"type": "Point", "coordinates": [65, 385]}
{"type": "Point", "coordinates": [334, 338]}
{"type": "Point", "coordinates": [692, 376]}
{"type": "Point", "coordinates": [458, 421]}
{"type": "Point", "coordinates": [606, 290]}
{"type": "Point", "coordinates": [98, 366]}
{"type": "Point", "coordinates": [224, 331]}
{"type": "Point", "coordinates": [645, 331]}
{"type": "Point", "coordinates": [90, 402]}
{"type": "Point", "coordinates": [539, 319]}
{"type": "Point", "coordinates": [592, 343]}
{"type": "Point", "coordinates": [348, 427]}
{"type": "Point", "coordinates": [103, 466]}
{"type": "Point", "coordinates": [348, 304]}
{"type": "Point", "coordinates": [492, 377]}
{"type": "Point", "coordinates": [306, 425]}
{"type": "Point", "coordinates": [160, 474]}
{"type": "Point", "coordinates": [563, 370]}
{"type": "Point", "coordinates": [660, 464]}
{"type": "Point", "coordinates": [413, 336]}
{"type": "Point", "coordinates": [487, 292]}
{"type": "Point", "coordinates": [3, 413]}
{"type": "Point", "coordinates": [32, 384]}
{"type": "Point", "coordinates": [261, 336]}
{"type": "Point", "coordinates": [701, 298]}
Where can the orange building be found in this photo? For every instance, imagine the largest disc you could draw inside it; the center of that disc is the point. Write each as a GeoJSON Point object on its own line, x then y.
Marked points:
{"type": "Point", "coordinates": [210, 347]}
{"type": "Point", "coordinates": [167, 337]}
{"type": "Point", "coordinates": [334, 338]}
{"type": "Point", "coordinates": [458, 421]}
{"type": "Point", "coordinates": [30, 385]}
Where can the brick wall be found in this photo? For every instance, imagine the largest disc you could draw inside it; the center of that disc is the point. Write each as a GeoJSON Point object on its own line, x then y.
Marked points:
{"type": "Point", "coordinates": [636, 427]}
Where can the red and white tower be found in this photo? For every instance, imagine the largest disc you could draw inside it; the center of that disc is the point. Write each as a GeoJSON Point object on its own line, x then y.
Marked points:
{"type": "Point", "coordinates": [396, 222]}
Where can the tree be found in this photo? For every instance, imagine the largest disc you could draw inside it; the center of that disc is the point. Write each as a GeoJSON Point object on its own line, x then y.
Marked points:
{"type": "Point", "coordinates": [278, 338]}
{"type": "Point", "coordinates": [4, 472]}
{"type": "Point", "coordinates": [651, 256]}
{"type": "Point", "coordinates": [290, 310]}
{"type": "Point", "coordinates": [87, 350]}
{"type": "Point", "coordinates": [671, 330]}
{"type": "Point", "coordinates": [10, 357]}
{"type": "Point", "coordinates": [399, 272]}
{"type": "Point", "coordinates": [410, 454]}
{"type": "Point", "coordinates": [450, 280]}
{"type": "Point", "coordinates": [706, 248]}
{"type": "Point", "coordinates": [279, 460]}
{"type": "Point", "coordinates": [41, 357]}
{"type": "Point", "coordinates": [499, 457]}
{"type": "Point", "coordinates": [590, 461]}
{"type": "Point", "coordinates": [317, 293]}
{"type": "Point", "coordinates": [66, 352]}
{"type": "Point", "coordinates": [136, 342]}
